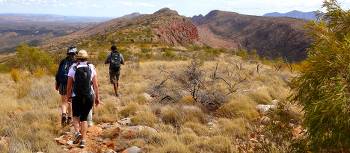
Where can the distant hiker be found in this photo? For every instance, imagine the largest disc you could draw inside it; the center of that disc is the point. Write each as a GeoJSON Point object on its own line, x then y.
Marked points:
{"type": "Point", "coordinates": [61, 85]}
{"type": "Point", "coordinates": [82, 90]}
{"type": "Point", "coordinates": [115, 60]}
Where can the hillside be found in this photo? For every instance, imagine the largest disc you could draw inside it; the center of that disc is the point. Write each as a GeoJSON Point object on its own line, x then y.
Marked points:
{"type": "Point", "coordinates": [162, 27]}
{"type": "Point", "coordinates": [271, 37]}
{"type": "Point", "coordinates": [156, 112]}
{"type": "Point", "coordinates": [295, 14]}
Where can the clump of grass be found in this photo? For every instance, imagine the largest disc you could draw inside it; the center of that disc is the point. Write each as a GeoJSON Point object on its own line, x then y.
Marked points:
{"type": "Point", "coordinates": [171, 115]}
{"type": "Point", "coordinates": [188, 138]}
{"type": "Point", "coordinates": [129, 110]}
{"type": "Point", "coordinates": [193, 114]}
{"type": "Point", "coordinates": [144, 118]}
{"type": "Point", "coordinates": [173, 147]}
{"type": "Point", "coordinates": [106, 113]}
{"type": "Point", "coordinates": [232, 127]}
{"type": "Point", "coordinates": [214, 144]}
{"type": "Point", "coordinates": [198, 128]}
{"type": "Point", "coordinates": [15, 75]}
{"type": "Point", "coordinates": [261, 96]}
{"type": "Point", "coordinates": [239, 107]}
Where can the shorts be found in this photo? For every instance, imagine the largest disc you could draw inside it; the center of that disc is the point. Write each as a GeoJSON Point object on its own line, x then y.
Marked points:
{"type": "Point", "coordinates": [114, 76]}
{"type": "Point", "coordinates": [62, 89]}
{"type": "Point", "coordinates": [82, 106]}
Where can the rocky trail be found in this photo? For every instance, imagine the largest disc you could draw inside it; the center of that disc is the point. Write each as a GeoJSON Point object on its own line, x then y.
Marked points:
{"type": "Point", "coordinates": [105, 138]}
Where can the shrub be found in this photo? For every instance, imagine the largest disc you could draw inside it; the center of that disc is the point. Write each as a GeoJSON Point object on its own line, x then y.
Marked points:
{"type": "Point", "coordinates": [171, 115]}
{"type": "Point", "coordinates": [144, 118]}
{"type": "Point", "coordinates": [15, 75]}
{"type": "Point", "coordinates": [173, 147]}
{"type": "Point", "coordinates": [233, 127]}
{"type": "Point", "coordinates": [129, 110]}
{"type": "Point", "coordinates": [322, 88]}
{"type": "Point", "coordinates": [32, 58]}
{"type": "Point", "coordinates": [239, 107]}
{"type": "Point", "coordinates": [198, 128]}
{"type": "Point", "coordinates": [4, 68]}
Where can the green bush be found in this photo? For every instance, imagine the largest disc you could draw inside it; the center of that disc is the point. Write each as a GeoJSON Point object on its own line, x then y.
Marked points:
{"type": "Point", "coordinates": [322, 88]}
{"type": "Point", "coordinates": [32, 58]}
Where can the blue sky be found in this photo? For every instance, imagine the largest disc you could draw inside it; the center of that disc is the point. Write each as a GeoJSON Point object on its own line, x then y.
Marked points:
{"type": "Point", "coordinates": [116, 8]}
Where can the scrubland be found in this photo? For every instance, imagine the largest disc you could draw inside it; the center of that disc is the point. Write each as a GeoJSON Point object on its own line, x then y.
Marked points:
{"type": "Point", "coordinates": [220, 117]}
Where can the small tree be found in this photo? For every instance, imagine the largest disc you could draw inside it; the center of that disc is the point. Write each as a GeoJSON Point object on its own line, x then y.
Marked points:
{"type": "Point", "coordinates": [323, 87]}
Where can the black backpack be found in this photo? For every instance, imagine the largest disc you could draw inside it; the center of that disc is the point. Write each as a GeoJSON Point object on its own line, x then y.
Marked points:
{"type": "Point", "coordinates": [115, 61]}
{"type": "Point", "coordinates": [63, 70]}
{"type": "Point", "coordinates": [82, 81]}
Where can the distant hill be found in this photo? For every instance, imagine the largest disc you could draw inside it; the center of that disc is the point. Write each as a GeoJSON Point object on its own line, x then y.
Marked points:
{"type": "Point", "coordinates": [49, 18]}
{"type": "Point", "coordinates": [270, 37]}
{"type": "Point", "coordinates": [34, 29]}
{"type": "Point", "coordinates": [295, 14]}
{"type": "Point", "coordinates": [162, 27]}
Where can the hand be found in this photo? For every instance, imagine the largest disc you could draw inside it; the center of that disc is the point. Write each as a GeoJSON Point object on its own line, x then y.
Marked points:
{"type": "Point", "coordinates": [97, 102]}
{"type": "Point", "coordinates": [69, 99]}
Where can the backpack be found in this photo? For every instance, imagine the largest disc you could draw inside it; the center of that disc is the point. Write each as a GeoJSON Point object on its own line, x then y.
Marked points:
{"type": "Point", "coordinates": [115, 61]}
{"type": "Point", "coordinates": [82, 81]}
{"type": "Point", "coordinates": [63, 70]}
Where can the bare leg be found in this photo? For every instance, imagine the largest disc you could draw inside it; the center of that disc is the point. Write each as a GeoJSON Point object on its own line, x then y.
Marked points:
{"type": "Point", "coordinates": [84, 127]}
{"type": "Point", "coordinates": [64, 104]}
{"type": "Point", "coordinates": [76, 122]}
{"type": "Point", "coordinates": [115, 85]}
{"type": "Point", "coordinates": [70, 112]}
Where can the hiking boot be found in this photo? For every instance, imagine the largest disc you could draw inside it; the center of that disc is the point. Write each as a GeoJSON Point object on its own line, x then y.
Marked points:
{"type": "Point", "coordinates": [64, 120]}
{"type": "Point", "coordinates": [69, 120]}
{"type": "Point", "coordinates": [77, 138]}
{"type": "Point", "coordinates": [82, 144]}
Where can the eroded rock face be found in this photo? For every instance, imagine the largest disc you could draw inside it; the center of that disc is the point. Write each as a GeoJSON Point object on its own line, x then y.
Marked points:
{"type": "Point", "coordinates": [178, 31]}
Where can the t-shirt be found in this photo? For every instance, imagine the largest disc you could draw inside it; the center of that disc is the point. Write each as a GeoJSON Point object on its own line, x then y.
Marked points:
{"type": "Point", "coordinates": [108, 60]}
{"type": "Point", "coordinates": [71, 73]}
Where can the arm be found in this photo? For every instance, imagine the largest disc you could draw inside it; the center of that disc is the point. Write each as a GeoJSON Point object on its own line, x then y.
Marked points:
{"type": "Point", "coordinates": [57, 76]}
{"type": "Point", "coordinates": [95, 86]}
{"type": "Point", "coordinates": [69, 88]}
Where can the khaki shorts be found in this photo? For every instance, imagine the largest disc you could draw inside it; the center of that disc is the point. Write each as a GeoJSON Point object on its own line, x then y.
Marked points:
{"type": "Point", "coordinates": [114, 76]}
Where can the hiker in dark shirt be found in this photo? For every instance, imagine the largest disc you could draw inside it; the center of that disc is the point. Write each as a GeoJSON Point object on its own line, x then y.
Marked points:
{"type": "Point", "coordinates": [61, 84]}
{"type": "Point", "coordinates": [115, 60]}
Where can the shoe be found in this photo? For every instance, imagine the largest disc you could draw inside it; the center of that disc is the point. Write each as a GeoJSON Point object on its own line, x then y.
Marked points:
{"type": "Point", "coordinates": [77, 138]}
{"type": "Point", "coordinates": [69, 120]}
{"type": "Point", "coordinates": [82, 144]}
{"type": "Point", "coordinates": [90, 123]}
{"type": "Point", "coordinates": [64, 119]}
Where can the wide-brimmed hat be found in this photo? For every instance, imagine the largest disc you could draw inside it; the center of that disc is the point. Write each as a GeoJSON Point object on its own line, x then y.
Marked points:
{"type": "Point", "coordinates": [82, 54]}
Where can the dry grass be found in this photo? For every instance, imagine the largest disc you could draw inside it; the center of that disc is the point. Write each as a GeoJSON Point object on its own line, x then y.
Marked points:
{"type": "Point", "coordinates": [239, 107]}
{"type": "Point", "coordinates": [182, 127]}
{"type": "Point", "coordinates": [144, 118]}
{"type": "Point", "coordinates": [129, 110]}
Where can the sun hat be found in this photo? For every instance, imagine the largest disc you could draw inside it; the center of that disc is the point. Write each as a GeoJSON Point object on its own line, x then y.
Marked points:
{"type": "Point", "coordinates": [82, 54]}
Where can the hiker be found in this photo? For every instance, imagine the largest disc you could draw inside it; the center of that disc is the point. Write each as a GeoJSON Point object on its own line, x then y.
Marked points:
{"type": "Point", "coordinates": [82, 90]}
{"type": "Point", "coordinates": [115, 60]}
{"type": "Point", "coordinates": [61, 85]}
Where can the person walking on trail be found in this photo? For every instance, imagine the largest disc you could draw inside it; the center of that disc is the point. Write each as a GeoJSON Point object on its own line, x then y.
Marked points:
{"type": "Point", "coordinates": [82, 90]}
{"type": "Point", "coordinates": [115, 59]}
{"type": "Point", "coordinates": [61, 85]}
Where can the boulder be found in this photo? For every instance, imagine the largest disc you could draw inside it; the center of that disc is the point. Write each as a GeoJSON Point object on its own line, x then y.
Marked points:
{"type": "Point", "coordinates": [125, 121]}
{"type": "Point", "coordinates": [265, 108]}
{"type": "Point", "coordinates": [147, 96]}
{"type": "Point", "coordinates": [132, 149]}
{"type": "Point", "coordinates": [132, 131]}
